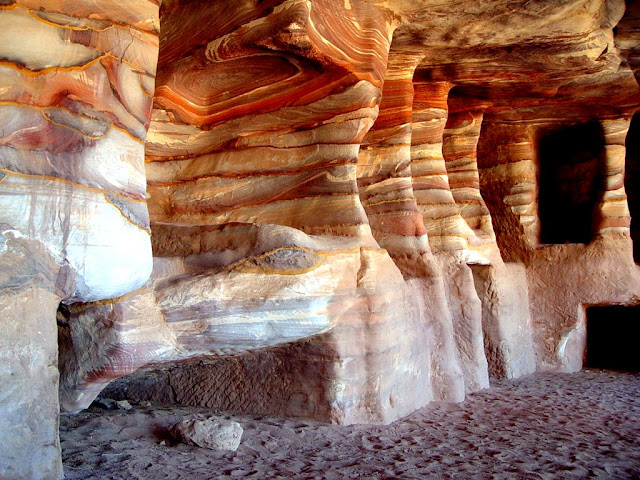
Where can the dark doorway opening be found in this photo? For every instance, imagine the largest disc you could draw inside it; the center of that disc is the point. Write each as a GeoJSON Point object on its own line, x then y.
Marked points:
{"type": "Point", "coordinates": [613, 334]}
{"type": "Point", "coordinates": [632, 182]}
{"type": "Point", "coordinates": [571, 180]}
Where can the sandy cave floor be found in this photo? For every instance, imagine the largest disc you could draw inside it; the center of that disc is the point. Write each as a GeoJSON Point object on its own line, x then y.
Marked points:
{"type": "Point", "coordinates": [543, 426]}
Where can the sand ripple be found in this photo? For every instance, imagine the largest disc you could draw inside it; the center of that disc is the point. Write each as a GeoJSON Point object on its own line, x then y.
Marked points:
{"type": "Point", "coordinates": [544, 426]}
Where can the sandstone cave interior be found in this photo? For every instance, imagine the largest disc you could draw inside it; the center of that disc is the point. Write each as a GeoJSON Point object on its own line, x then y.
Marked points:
{"type": "Point", "coordinates": [354, 238]}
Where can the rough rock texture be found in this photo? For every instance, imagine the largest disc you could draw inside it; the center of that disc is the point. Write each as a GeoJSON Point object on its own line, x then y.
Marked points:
{"type": "Point", "coordinates": [375, 182]}
{"type": "Point", "coordinates": [355, 207]}
{"type": "Point", "coordinates": [584, 425]}
{"type": "Point", "coordinates": [212, 433]}
{"type": "Point", "coordinates": [76, 84]}
{"type": "Point", "coordinates": [29, 376]}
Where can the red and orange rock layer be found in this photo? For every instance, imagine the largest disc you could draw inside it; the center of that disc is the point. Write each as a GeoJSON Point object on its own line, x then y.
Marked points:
{"type": "Point", "coordinates": [347, 201]}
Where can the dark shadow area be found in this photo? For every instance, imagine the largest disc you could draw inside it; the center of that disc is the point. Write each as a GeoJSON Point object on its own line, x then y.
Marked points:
{"type": "Point", "coordinates": [612, 338]}
{"type": "Point", "coordinates": [571, 180]}
{"type": "Point", "coordinates": [632, 182]}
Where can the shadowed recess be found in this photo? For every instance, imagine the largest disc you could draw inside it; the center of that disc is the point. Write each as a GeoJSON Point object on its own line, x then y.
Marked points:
{"type": "Point", "coordinates": [612, 337]}
{"type": "Point", "coordinates": [632, 182]}
{"type": "Point", "coordinates": [571, 167]}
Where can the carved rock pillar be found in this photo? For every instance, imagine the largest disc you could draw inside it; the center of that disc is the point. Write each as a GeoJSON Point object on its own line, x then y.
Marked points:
{"type": "Point", "coordinates": [75, 99]}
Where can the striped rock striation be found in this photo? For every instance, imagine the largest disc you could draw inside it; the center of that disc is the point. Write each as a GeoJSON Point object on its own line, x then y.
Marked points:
{"type": "Point", "coordinates": [337, 183]}
{"type": "Point", "coordinates": [259, 230]}
{"type": "Point", "coordinates": [306, 159]}
{"type": "Point", "coordinates": [76, 91]}
{"type": "Point", "coordinates": [330, 209]}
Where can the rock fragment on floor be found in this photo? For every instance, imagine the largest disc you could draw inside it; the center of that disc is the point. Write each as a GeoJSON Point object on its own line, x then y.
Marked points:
{"type": "Point", "coordinates": [208, 432]}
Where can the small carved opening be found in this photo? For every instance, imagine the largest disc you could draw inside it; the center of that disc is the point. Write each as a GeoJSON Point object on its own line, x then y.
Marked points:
{"type": "Point", "coordinates": [632, 182]}
{"type": "Point", "coordinates": [612, 337]}
{"type": "Point", "coordinates": [571, 176]}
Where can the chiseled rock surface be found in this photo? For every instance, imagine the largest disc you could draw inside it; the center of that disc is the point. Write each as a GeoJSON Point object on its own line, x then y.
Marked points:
{"type": "Point", "coordinates": [258, 228]}
{"type": "Point", "coordinates": [76, 85]}
{"type": "Point", "coordinates": [28, 371]}
{"type": "Point", "coordinates": [362, 181]}
{"type": "Point", "coordinates": [347, 200]}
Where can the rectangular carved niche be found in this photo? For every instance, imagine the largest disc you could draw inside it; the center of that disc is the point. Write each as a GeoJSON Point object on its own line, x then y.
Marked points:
{"type": "Point", "coordinates": [632, 182]}
{"type": "Point", "coordinates": [613, 335]}
{"type": "Point", "coordinates": [571, 180]}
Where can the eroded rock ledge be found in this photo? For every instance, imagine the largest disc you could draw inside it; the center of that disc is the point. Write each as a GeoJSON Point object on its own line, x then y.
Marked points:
{"type": "Point", "coordinates": [354, 207]}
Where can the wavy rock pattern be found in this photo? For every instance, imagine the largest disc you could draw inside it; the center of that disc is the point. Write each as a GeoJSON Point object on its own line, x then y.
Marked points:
{"type": "Point", "coordinates": [74, 111]}
{"type": "Point", "coordinates": [346, 199]}
{"type": "Point", "coordinates": [441, 215]}
{"type": "Point", "coordinates": [266, 206]}
{"type": "Point", "coordinates": [460, 139]}
{"type": "Point", "coordinates": [357, 155]}
{"type": "Point", "coordinates": [76, 92]}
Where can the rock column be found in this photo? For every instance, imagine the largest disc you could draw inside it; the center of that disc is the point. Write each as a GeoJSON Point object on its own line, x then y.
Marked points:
{"type": "Point", "coordinates": [612, 215]}
{"type": "Point", "coordinates": [75, 99]}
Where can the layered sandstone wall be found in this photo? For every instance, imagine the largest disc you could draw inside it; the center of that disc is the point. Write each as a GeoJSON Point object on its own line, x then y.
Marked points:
{"type": "Point", "coordinates": [373, 190]}
{"type": "Point", "coordinates": [76, 91]}
{"type": "Point", "coordinates": [354, 208]}
{"type": "Point", "coordinates": [411, 194]}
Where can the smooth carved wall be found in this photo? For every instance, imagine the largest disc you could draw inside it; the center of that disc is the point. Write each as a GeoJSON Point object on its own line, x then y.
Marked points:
{"type": "Point", "coordinates": [346, 202]}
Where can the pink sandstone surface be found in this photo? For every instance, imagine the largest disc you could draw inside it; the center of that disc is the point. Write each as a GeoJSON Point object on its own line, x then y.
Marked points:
{"type": "Point", "coordinates": [330, 209]}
